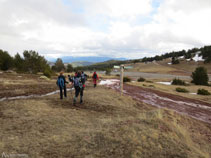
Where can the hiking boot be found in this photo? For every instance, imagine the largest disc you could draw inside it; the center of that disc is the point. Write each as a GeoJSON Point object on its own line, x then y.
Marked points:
{"type": "Point", "coordinates": [74, 101]}
{"type": "Point", "coordinates": [81, 100]}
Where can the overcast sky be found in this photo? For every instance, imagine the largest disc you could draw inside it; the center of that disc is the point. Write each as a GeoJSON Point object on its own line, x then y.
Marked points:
{"type": "Point", "coordinates": [114, 28]}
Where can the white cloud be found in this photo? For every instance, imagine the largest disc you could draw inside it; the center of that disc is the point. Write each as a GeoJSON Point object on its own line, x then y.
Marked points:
{"type": "Point", "coordinates": [56, 28]}
{"type": "Point", "coordinates": [120, 8]}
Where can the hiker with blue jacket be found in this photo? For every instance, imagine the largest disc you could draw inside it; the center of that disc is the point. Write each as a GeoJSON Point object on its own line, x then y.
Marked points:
{"type": "Point", "coordinates": [78, 82]}
{"type": "Point", "coordinates": [61, 83]}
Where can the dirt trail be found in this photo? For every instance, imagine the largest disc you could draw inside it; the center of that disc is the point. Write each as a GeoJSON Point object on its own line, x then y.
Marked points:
{"type": "Point", "coordinates": [193, 108]}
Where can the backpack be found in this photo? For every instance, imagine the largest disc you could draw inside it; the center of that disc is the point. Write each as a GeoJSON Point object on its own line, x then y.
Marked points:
{"type": "Point", "coordinates": [60, 82]}
{"type": "Point", "coordinates": [95, 76]}
{"type": "Point", "coordinates": [83, 78]}
{"type": "Point", "coordinates": [77, 82]}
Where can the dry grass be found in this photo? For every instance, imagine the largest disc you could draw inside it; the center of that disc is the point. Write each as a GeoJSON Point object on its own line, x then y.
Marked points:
{"type": "Point", "coordinates": [190, 66]}
{"type": "Point", "coordinates": [171, 89]}
{"type": "Point", "coordinates": [155, 67]}
{"type": "Point", "coordinates": [25, 84]}
{"type": "Point", "coordinates": [106, 125]}
{"type": "Point", "coordinates": [162, 67]}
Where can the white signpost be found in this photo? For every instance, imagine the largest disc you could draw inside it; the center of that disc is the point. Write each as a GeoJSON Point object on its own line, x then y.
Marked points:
{"type": "Point", "coordinates": [122, 67]}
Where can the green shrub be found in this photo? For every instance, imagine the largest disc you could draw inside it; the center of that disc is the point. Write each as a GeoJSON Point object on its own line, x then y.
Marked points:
{"type": "Point", "coordinates": [126, 79]}
{"type": "Point", "coordinates": [151, 86]}
{"type": "Point", "coordinates": [141, 79]}
{"type": "Point", "coordinates": [200, 76]}
{"type": "Point", "coordinates": [175, 60]}
{"type": "Point", "coordinates": [47, 73]}
{"type": "Point", "coordinates": [108, 72]}
{"type": "Point", "coordinates": [183, 90]}
{"type": "Point", "coordinates": [178, 82]}
{"type": "Point", "coordinates": [203, 92]}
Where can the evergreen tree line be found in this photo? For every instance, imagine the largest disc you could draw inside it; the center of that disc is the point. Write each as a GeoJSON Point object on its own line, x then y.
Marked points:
{"type": "Point", "coordinates": [31, 62]}
{"type": "Point", "coordinates": [205, 52]}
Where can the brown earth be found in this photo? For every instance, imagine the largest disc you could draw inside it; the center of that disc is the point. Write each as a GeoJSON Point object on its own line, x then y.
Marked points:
{"type": "Point", "coordinates": [13, 85]}
{"type": "Point", "coordinates": [194, 108]}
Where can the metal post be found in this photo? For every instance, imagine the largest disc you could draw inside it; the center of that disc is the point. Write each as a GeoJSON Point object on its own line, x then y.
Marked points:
{"type": "Point", "coordinates": [121, 78]}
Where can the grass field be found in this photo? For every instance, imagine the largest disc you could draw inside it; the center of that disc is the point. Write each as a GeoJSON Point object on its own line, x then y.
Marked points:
{"type": "Point", "coordinates": [154, 67]}
{"type": "Point", "coordinates": [189, 66]}
{"type": "Point", "coordinates": [162, 67]}
{"type": "Point", "coordinates": [106, 125]}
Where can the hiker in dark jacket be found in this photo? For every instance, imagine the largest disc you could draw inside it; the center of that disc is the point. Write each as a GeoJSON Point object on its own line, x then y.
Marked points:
{"type": "Point", "coordinates": [95, 78]}
{"type": "Point", "coordinates": [84, 78]}
{"type": "Point", "coordinates": [61, 83]}
{"type": "Point", "coordinates": [78, 82]}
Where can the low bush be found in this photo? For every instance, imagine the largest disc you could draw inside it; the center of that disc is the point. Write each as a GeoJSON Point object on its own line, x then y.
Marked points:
{"type": "Point", "coordinates": [152, 86]}
{"type": "Point", "coordinates": [47, 73]}
{"type": "Point", "coordinates": [108, 72]}
{"type": "Point", "coordinates": [141, 79]}
{"type": "Point", "coordinates": [149, 81]}
{"type": "Point", "coordinates": [182, 90]}
{"type": "Point", "coordinates": [203, 92]}
{"type": "Point", "coordinates": [126, 79]}
{"type": "Point", "coordinates": [178, 82]}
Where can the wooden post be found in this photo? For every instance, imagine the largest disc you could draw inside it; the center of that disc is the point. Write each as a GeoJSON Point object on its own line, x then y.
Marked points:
{"type": "Point", "coordinates": [121, 78]}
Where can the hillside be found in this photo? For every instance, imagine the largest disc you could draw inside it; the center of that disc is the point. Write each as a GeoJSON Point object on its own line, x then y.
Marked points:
{"type": "Point", "coordinates": [164, 67]}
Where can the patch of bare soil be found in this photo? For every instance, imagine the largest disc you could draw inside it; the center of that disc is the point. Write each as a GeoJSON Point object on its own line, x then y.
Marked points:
{"type": "Point", "coordinates": [191, 107]}
{"type": "Point", "coordinates": [13, 85]}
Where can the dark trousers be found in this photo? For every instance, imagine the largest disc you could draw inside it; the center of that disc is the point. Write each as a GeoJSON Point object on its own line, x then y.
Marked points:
{"type": "Point", "coordinates": [78, 91]}
{"type": "Point", "coordinates": [61, 92]}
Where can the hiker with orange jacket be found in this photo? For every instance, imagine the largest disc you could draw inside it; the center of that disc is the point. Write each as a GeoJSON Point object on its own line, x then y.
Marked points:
{"type": "Point", "coordinates": [95, 78]}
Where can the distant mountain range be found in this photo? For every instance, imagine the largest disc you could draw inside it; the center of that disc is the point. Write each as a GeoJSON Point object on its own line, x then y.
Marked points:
{"type": "Point", "coordinates": [86, 60]}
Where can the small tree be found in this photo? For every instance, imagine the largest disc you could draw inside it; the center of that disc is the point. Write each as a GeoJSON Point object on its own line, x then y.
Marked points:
{"type": "Point", "coordinates": [200, 76]}
{"type": "Point", "coordinates": [6, 61]}
{"type": "Point", "coordinates": [33, 62]}
{"type": "Point", "coordinates": [108, 71]}
{"type": "Point", "coordinates": [19, 63]}
{"type": "Point", "coordinates": [206, 54]}
{"type": "Point", "coordinates": [59, 65]}
{"type": "Point", "coordinates": [69, 68]}
{"type": "Point", "coordinates": [174, 60]}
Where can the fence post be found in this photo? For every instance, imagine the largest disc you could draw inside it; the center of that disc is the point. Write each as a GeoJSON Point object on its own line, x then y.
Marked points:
{"type": "Point", "coordinates": [121, 78]}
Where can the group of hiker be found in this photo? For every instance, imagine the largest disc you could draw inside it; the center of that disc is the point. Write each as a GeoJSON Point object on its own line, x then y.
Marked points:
{"type": "Point", "coordinates": [77, 81]}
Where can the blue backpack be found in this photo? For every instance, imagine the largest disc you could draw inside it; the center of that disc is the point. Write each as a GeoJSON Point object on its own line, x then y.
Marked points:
{"type": "Point", "coordinates": [60, 82]}
{"type": "Point", "coordinates": [77, 82]}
